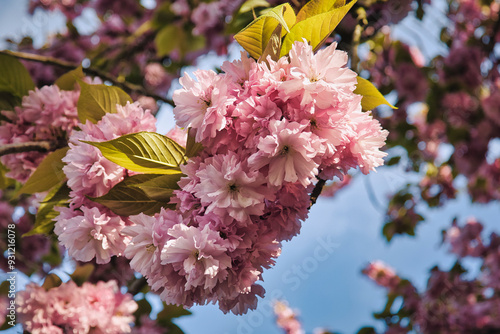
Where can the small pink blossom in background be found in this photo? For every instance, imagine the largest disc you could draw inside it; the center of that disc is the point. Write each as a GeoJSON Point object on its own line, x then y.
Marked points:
{"type": "Point", "coordinates": [99, 308]}
{"type": "Point", "coordinates": [382, 274]}
{"type": "Point", "coordinates": [286, 319]}
{"type": "Point", "coordinates": [46, 114]}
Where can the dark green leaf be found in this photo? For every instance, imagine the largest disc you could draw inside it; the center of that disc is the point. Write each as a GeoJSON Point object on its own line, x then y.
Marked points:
{"type": "Point", "coordinates": [57, 196]}
{"type": "Point", "coordinates": [125, 199]}
{"type": "Point", "coordinates": [14, 77]}
{"type": "Point", "coordinates": [82, 273]}
{"type": "Point", "coordinates": [160, 188]}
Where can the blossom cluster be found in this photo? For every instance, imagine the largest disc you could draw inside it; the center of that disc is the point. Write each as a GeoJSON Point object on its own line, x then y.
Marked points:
{"type": "Point", "coordinates": [286, 318]}
{"type": "Point", "coordinates": [452, 302]}
{"type": "Point", "coordinates": [268, 131]}
{"type": "Point", "coordinates": [91, 308]}
{"type": "Point", "coordinates": [89, 230]}
{"type": "Point", "coordinates": [46, 114]}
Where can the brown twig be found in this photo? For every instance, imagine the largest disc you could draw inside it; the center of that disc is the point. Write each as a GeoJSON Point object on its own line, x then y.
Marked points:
{"type": "Point", "coordinates": [317, 191]}
{"type": "Point", "coordinates": [127, 86]}
{"type": "Point", "coordinates": [37, 146]}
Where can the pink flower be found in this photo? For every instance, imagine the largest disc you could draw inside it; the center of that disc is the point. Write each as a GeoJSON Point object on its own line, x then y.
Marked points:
{"type": "Point", "coordinates": [227, 185]}
{"type": "Point", "coordinates": [316, 77]}
{"type": "Point", "coordinates": [202, 105]}
{"type": "Point", "coordinates": [290, 153]}
{"type": "Point", "coordinates": [90, 233]}
{"type": "Point", "coordinates": [199, 255]}
{"type": "Point", "coordinates": [148, 236]}
{"type": "Point", "coordinates": [382, 274]}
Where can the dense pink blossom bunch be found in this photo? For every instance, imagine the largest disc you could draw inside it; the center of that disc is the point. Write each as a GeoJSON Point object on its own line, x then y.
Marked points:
{"type": "Point", "coordinates": [268, 131]}
{"type": "Point", "coordinates": [99, 308]}
{"type": "Point", "coordinates": [89, 230]}
{"type": "Point", "coordinates": [46, 114]}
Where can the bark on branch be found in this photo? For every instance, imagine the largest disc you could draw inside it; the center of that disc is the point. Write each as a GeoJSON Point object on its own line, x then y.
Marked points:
{"type": "Point", "coordinates": [30, 146]}
{"type": "Point", "coordinates": [126, 86]}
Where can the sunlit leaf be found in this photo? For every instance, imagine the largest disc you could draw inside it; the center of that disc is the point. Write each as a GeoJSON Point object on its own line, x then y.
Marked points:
{"type": "Point", "coordinates": [273, 47]}
{"type": "Point", "coordinates": [145, 152]}
{"type": "Point", "coordinates": [255, 37]}
{"type": "Point", "coordinates": [126, 200]}
{"type": "Point", "coordinates": [48, 174]}
{"type": "Point", "coordinates": [168, 39]}
{"type": "Point", "coordinates": [14, 77]}
{"type": "Point", "coordinates": [316, 7]}
{"type": "Point", "coordinates": [97, 100]}
{"type": "Point", "coordinates": [251, 4]}
{"type": "Point", "coordinates": [372, 98]}
{"type": "Point", "coordinates": [68, 80]}
{"type": "Point", "coordinates": [315, 29]}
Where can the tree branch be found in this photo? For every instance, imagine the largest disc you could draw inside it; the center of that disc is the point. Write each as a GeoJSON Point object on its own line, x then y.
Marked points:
{"type": "Point", "coordinates": [126, 86]}
{"type": "Point", "coordinates": [317, 191]}
{"type": "Point", "coordinates": [30, 146]}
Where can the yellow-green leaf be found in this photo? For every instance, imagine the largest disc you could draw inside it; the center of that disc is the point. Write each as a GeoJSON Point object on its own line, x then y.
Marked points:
{"type": "Point", "coordinates": [126, 200]}
{"type": "Point", "coordinates": [68, 80]}
{"type": "Point", "coordinates": [145, 152]}
{"type": "Point", "coordinates": [57, 196]}
{"type": "Point", "coordinates": [316, 7]}
{"type": "Point", "coordinates": [161, 187]}
{"type": "Point", "coordinates": [372, 98]}
{"type": "Point", "coordinates": [255, 37]}
{"type": "Point", "coordinates": [14, 77]}
{"type": "Point", "coordinates": [168, 39]}
{"type": "Point", "coordinates": [97, 100]}
{"type": "Point", "coordinates": [48, 174]}
{"type": "Point", "coordinates": [273, 47]}
{"type": "Point", "coordinates": [315, 29]}
{"type": "Point", "coordinates": [251, 4]}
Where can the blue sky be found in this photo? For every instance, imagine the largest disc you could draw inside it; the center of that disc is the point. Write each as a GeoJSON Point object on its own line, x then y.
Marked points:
{"type": "Point", "coordinates": [318, 271]}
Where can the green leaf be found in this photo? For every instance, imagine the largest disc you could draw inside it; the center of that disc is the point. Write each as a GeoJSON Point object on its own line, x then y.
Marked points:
{"type": "Point", "coordinates": [316, 7]}
{"type": "Point", "coordinates": [68, 80]}
{"type": "Point", "coordinates": [144, 308]}
{"type": "Point", "coordinates": [57, 196]}
{"type": "Point", "coordinates": [372, 98]}
{"type": "Point", "coordinates": [8, 101]}
{"type": "Point", "coordinates": [173, 37]}
{"type": "Point", "coordinates": [315, 29]}
{"type": "Point", "coordinates": [161, 187]}
{"type": "Point", "coordinates": [48, 174]}
{"type": "Point", "coordinates": [192, 147]}
{"type": "Point", "coordinates": [4, 180]}
{"type": "Point", "coordinates": [51, 281]}
{"type": "Point", "coordinates": [251, 4]}
{"type": "Point", "coordinates": [97, 100]}
{"type": "Point", "coordinates": [171, 311]}
{"type": "Point", "coordinates": [168, 39]}
{"type": "Point", "coordinates": [126, 200]}
{"type": "Point", "coordinates": [255, 37]}
{"type": "Point", "coordinates": [144, 152]}
{"type": "Point", "coordinates": [273, 47]}
{"type": "Point", "coordinates": [82, 273]}
{"type": "Point", "coordinates": [14, 77]}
